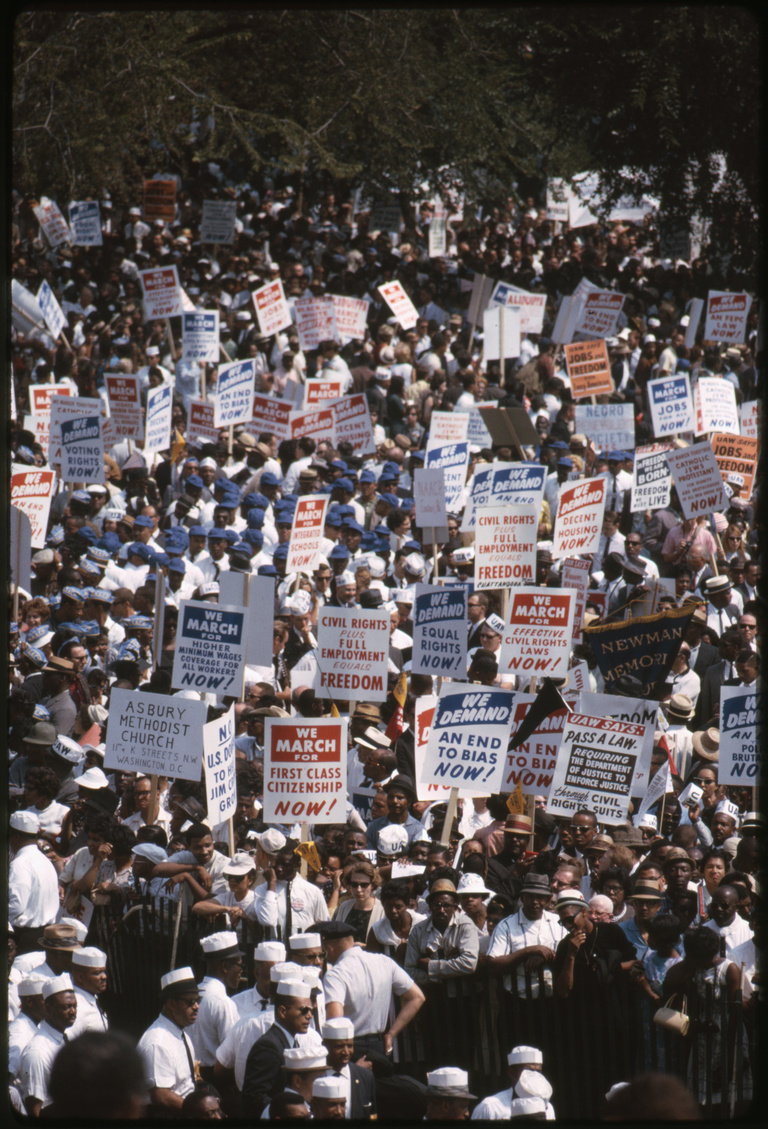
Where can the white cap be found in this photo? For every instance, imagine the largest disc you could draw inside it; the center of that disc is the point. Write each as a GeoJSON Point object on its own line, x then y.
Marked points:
{"type": "Point", "coordinates": [464, 556]}
{"type": "Point", "coordinates": [218, 943]}
{"type": "Point", "coordinates": [310, 974]}
{"type": "Point", "coordinates": [647, 821]}
{"type": "Point", "coordinates": [26, 822]}
{"type": "Point", "coordinates": [299, 603]}
{"type": "Point", "coordinates": [339, 1028]}
{"type": "Point", "coordinates": [177, 976]}
{"type": "Point", "coordinates": [153, 351]}
{"type": "Point", "coordinates": [448, 1078]}
{"type": "Point", "coordinates": [32, 985]}
{"type": "Point", "coordinates": [376, 567]}
{"type": "Point", "coordinates": [304, 1058]}
{"type": "Point", "coordinates": [392, 839]}
{"type": "Point", "coordinates": [330, 1087]}
{"type": "Point", "coordinates": [285, 970]}
{"type": "Point", "coordinates": [209, 588]}
{"type": "Point", "coordinates": [78, 926]}
{"type": "Point", "coordinates": [90, 957]}
{"type": "Point", "coordinates": [525, 1054]}
{"type": "Point", "coordinates": [526, 1107]}
{"type": "Point", "coordinates": [472, 884]}
{"type": "Point", "coordinates": [346, 577]}
{"type": "Point", "coordinates": [272, 840]}
{"type": "Point", "coordinates": [496, 623]}
{"type": "Point", "coordinates": [533, 1084]}
{"type": "Point", "coordinates": [240, 863]}
{"type": "Point", "coordinates": [68, 749]}
{"type": "Point", "coordinates": [56, 984]}
{"type": "Point", "coordinates": [270, 950]}
{"type": "Point", "coordinates": [92, 778]}
{"type": "Point", "coordinates": [414, 562]}
{"type": "Point", "coordinates": [296, 988]}
{"type": "Point", "coordinates": [301, 941]}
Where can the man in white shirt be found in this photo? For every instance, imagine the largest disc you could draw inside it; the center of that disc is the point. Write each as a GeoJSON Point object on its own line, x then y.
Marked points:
{"type": "Point", "coordinates": [33, 888]}
{"type": "Point", "coordinates": [286, 902]}
{"type": "Point", "coordinates": [725, 920]}
{"type": "Point", "coordinates": [218, 1013]}
{"type": "Point", "coordinates": [37, 1057]}
{"type": "Point", "coordinates": [618, 481]}
{"type": "Point", "coordinates": [23, 1028]}
{"type": "Point", "coordinates": [525, 1066]}
{"type": "Point", "coordinates": [169, 1061]}
{"type": "Point", "coordinates": [89, 975]}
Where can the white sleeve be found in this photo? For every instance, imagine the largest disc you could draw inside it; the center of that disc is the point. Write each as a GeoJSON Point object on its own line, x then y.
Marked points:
{"type": "Point", "coordinates": [263, 908]}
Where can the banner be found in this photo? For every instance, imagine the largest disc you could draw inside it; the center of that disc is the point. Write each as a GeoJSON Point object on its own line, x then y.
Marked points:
{"type": "Point", "coordinates": [52, 222]}
{"type": "Point", "coordinates": [271, 308]}
{"type": "Point", "coordinates": [315, 321]}
{"type": "Point", "coordinates": [468, 739]}
{"type": "Point", "coordinates": [454, 459]}
{"type": "Point", "coordinates": [714, 402]}
{"type": "Point", "coordinates": [85, 222]}
{"type": "Point", "coordinates": [740, 756]}
{"type": "Point", "coordinates": [505, 546]}
{"type": "Point", "coordinates": [305, 770]}
{"type": "Point", "coordinates": [31, 492]}
{"type": "Point", "coordinates": [579, 519]}
{"type": "Point", "coordinates": [218, 222]}
{"type": "Point", "coordinates": [575, 576]}
{"type": "Point", "coordinates": [82, 450]}
{"type": "Point", "coordinates": [159, 410]}
{"type": "Point", "coordinates": [306, 534]}
{"type": "Point", "coordinates": [54, 316]}
{"type": "Point", "coordinates": [599, 313]}
{"type": "Point", "coordinates": [532, 764]}
{"type": "Point", "coordinates": [538, 631]}
{"type": "Point", "coordinates": [595, 767]}
{"type": "Point", "coordinates": [351, 317]}
{"type": "Point", "coordinates": [200, 337]}
{"type": "Point", "coordinates": [644, 646]}
{"type": "Point", "coordinates": [651, 479]}
{"type": "Point", "coordinates": [159, 200]}
{"type": "Point", "coordinates": [219, 761]}
{"type": "Point", "coordinates": [155, 734]}
{"type": "Point", "coordinates": [697, 480]}
{"type": "Point", "coordinates": [125, 407]}
{"type": "Point", "coordinates": [271, 414]}
{"type": "Point", "coordinates": [210, 648]}
{"type": "Point", "coordinates": [399, 303]}
{"type": "Point", "coordinates": [200, 425]}
{"type": "Point", "coordinates": [736, 454]}
{"type": "Point", "coordinates": [671, 405]}
{"type": "Point", "coordinates": [429, 499]}
{"type": "Point", "coordinates": [162, 295]}
{"type": "Point", "coordinates": [531, 306]}
{"type": "Point", "coordinates": [727, 317]}
{"type": "Point", "coordinates": [352, 424]}
{"type": "Point", "coordinates": [353, 653]}
{"type": "Point", "coordinates": [447, 427]}
{"type": "Point", "coordinates": [610, 426]}
{"type": "Point", "coordinates": [637, 711]}
{"type": "Point", "coordinates": [588, 369]}
{"type": "Point", "coordinates": [440, 631]}
{"type": "Point", "coordinates": [322, 389]}
{"type": "Point", "coordinates": [233, 402]}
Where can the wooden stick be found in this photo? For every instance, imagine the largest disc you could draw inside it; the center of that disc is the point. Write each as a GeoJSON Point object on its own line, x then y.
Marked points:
{"type": "Point", "coordinates": [450, 815]}
{"type": "Point", "coordinates": [152, 809]}
{"type": "Point", "coordinates": [231, 834]}
{"type": "Point", "coordinates": [304, 839]}
{"type": "Point", "coordinates": [230, 444]}
{"type": "Point", "coordinates": [531, 816]}
{"type": "Point", "coordinates": [176, 925]}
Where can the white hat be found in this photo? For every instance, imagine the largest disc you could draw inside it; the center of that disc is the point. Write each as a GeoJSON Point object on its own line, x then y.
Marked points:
{"type": "Point", "coordinates": [310, 974]}
{"type": "Point", "coordinates": [208, 462]}
{"type": "Point", "coordinates": [240, 863]}
{"type": "Point", "coordinates": [218, 946]}
{"type": "Point", "coordinates": [152, 351]}
{"type": "Point", "coordinates": [647, 821]}
{"type": "Point", "coordinates": [339, 1028]}
{"type": "Point", "coordinates": [415, 562]}
{"type": "Point", "coordinates": [304, 1058]}
{"type": "Point", "coordinates": [330, 1088]}
{"type": "Point", "coordinates": [346, 577]}
{"type": "Point", "coordinates": [67, 749]}
{"type": "Point", "coordinates": [525, 1054]}
{"type": "Point", "coordinates": [300, 941]}
{"type": "Point", "coordinates": [464, 556]}
{"type": "Point", "coordinates": [296, 988]}
{"type": "Point", "coordinates": [134, 211]}
{"type": "Point", "coordinates": [299, 603]}
{"type": "Point", "coordinates": [26, 822]}
{"type": "Point", "coordinates": [376, 567]}
{"type": "Point", "coordinates": [57, 984]}
{"type": "Point", "coordinates": [448, 1082]}
{"type": "Point", "coordinates": [32, 985]}
{"type": "Point", "coordinates": [496, 623]}
{"type": "Point", "coordinates": [272, 840]}
{"type": "Point", "coordinates": [93, 778]}
{"type": "Point", "coordinates": [404, 596]}
{"type": "Point", "coordinates": [392, 839]}
{"type": "Point", "coordinates": [270, 950]}
{"type": "Point", "coordinates": [285, 970]}
{"type": "Point", "coordinates": [472, 884]}
{"type": "Point", "coordinates": [533, 1084]}
{"type": "Point", "coordinates": [177, 976]}
{"type": "Point", "coordinates": [78, 926]}
{"type": "Point", "coordinates": [525, 1107]}
{"type": "Point", "coordinates": [209, 588]}
{"type": "Point", "coordinates": [90, 957]}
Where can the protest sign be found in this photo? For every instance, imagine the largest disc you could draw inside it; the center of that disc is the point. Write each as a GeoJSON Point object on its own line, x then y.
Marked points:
{"type": "Point", "coordinates": [575, 576]}
{"type": "Point", "coordinates": [52, 311]}
{"type": "Point", "coordinates": [531, 306]}
{"type": "Point", "coordinates": [501, 332]}
{"type": "Point", "coordinates": [749, 418]}
{"type": "Point", "coordinates": [481, 289]}
{"type": "Point", "coordinates": [651, 480]}
{"type": "Point", "coordinates": [468, 739]}
{"type": "Point", "coordinates": [306, 534]}
{"type": "Point", "coordinates": [85, 222]}
{"type": "Point", "coordinates": [305, 770]}
{"type": "Point", "coordinates": [26, 315]}
{"type": "Point", "coordinates": [385, 217]}
{"type": "Point", "coordinates": [218, 222]}
{"type": "Point", "coordinates": [125, 408]}
{"type": "Point", "coordinates": [352, 424]}
{"type": "Point", "coordinates": [714, 403]}
{"type": "Point", "coordinates": [40, 398]}
{"type": "Point", "coordinates": [162, 296]}
{"type": "Point", "coordinates": [568, 314]}
{"type": "Point", "coordinates": [727, 317]}
{"type": "Point", "coordinates": [353, 649]}
{"type": "Point", "coordinates": [558, 199]}
{"type": "Point", "coordinates": [425, 712]}
{"type": "Point", "coordinates": [82, 450]}
{"type": "Point", "coordinates": [52, 222]}
{"type": "Point", "coordinates": [595, 766]}
{"type": "Point", "coordinates": [158, 427]}
{"type": "Point", "coordinates": [532, 764]}
{"type": "Point", "coordinates": [599, 313]}
{"type": "Point", "coordinates": [318, 423]}
{"type": "Point", "coordinates": [453, 458]}
{"type": "Point", "coordinates": [155, 734]}
{"type": "Point", "coordinates": [219, 765]}
{"type": "Point", "coordinates": [579, 518]}
{"type": "Point", "coordinates": [517, 484]}
{"type": "Point", "coordinates": [271, 308]}
{"type": "Point", "coordinates": [20, 555]}
{"type": "Point", "coordinates": [200, 424]}
{"type": "Point", "coordinates": [479, 494]}
{"type": "Point", "coordinates": [643, 646]}
{"type": "Point", "coordinates": [610, 426]}
{"type": "Point", "coordinates": [69, 407]}
{"type": "Point", "coordinates": [315, 321]}
{"type": "Point", "coordinates": [478, 434]}
{"type": "Point", "coordinates": [210, 648]}
{"type": "Point", "coordinates": [637, 711]}
{"type": "Point", "coordinates": [399, 303]}
{"type": "Point", "coordinates": [697, 480]}
{"type": "Point", "coordinates": [538, 631]}
{"type": "Point", "coordinates": [447, 427]}
{"type": "Point", "coordinates": [588, 369]}
{"type": "Point", "coordinates": [437, 240]}
{"type": "Point", "coordinates": [200, 336]}
{"type": "Point", "coordinates": [159, 200]}
{"type": "Point", "coordinates": [257, 595]}
{"type": "Point", "coordinates": [440, 631]}
{"type": "Point", "coordinates": [505, 546]}
{"type": "Point", "coordinates": [429, 499]}
{"type": "Point", "coordinates": [736, 454]}
{"type": "Point", "coordinates": [740, 717]}
{"type": "Point", "coordinates": [233, 402]}
{"type": "Point", "coordinates": [31, 492]}
{"type": "Point", "coordinates": [322, 389]}
{"type": "Point", "coordinates": [351, 317]}
{"type": "Point", "coordinates": [271, 414]}
{"type": "Point", "coordinates": [671, 405]}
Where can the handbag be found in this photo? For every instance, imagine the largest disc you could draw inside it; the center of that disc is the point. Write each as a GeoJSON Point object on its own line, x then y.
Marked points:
{"type": "Point", "coordinates": [671, 1019]}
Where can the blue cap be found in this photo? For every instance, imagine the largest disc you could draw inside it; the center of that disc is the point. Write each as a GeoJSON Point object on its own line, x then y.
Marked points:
{"type": "Point", "coordinates": [242, 547]}
{"type": "Point", "coordinates": [368, 541]}
{"type": "Point", "coordinates": [87, 534]}
{"type": "Point", "coordinates": [367, 476]}
{"type": "Point", "coordinates": [129, 649]}
{"type": "Point", "coordinates": [70, 626]}
{"type": "Point", "coordinates": [90, 629]}
{"type": "Point", "coordinates": [195, 531]}
{"type": "Point", "coordinates": [99, 555]}
{"type": "Point", "coordinates": [72, 593]}
{"type": "Point", "coordinates": [616, 456]}
{"type": "Point", "coordinates": [136, 548]}
{"type": "Point", "coordinates": [266, 570]}
{"type": "Point", "coordinates": [391, 468]}
{"type": "Point", "coordinates": [339, 464]}
{"type": "Point", "coordinates": [142, 521]}
{"type": "Point", "coordinates": [162, 560]}
{"type": "Point", "coordinates": [194, 481]}
{"type": "Point", "coordinates": [228, 502]}
{"type": "Point", "coordinates": [255, 518]}
{"type": "Point", "coordinates": [100, 595]}
{"type": "Point", "coordinates": [268, 478]}
{"type": "Point", "coordinates": [332, 517]}
{"type": "Point", "coordinates": [568, 463]}
{"type": "Point", "coordinates": [281, 552]}
{"type": "Point", "coordinates": [253, 537]}
{"type": "Point", "coordinates": [413, 545]}
{"type": "Point", "coordinates": [351, 525]}
{"type": "Point", "coordinates": [343, 484]}
{"type": "Point", "coordinates": [81, 496]}
{"type": "Point", "coordinates": [559, 445]}
{"type": "Point", "coordinates": [90, 568]}
{"type": "Point", "coordinates": [391, 500]}
{"type": "Point", "coordinates": [387, 480]}
{"type": "Point", "coordinates": [55, 537]}
{"type": "Point", "coordinates": [418, 456]}
{"type": "Point", "coordinates": [36, 633]}
{"type": "Point", "coordinates": [339, 553]}
{"type": "Point", "coordinates": [177, 565]}
{"type": "Point", "coordinates": [138, 623]}
{"type": "Point", "coordinates": [109, 541]}
{"type": "Point", "coordinates": [406, 504]}
{"type": "Point", "coordinates": [36, 657]}
{"type": "Point", "coordinates": [41, 713]}
{"type": "Point", "coordinates": [232, 537]}
{"type": "Point", "coordinates": [217, 534]}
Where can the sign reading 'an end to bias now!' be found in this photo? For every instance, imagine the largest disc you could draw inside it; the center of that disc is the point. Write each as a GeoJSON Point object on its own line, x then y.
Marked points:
{"type": "Point", "coordinates": [468, 740]}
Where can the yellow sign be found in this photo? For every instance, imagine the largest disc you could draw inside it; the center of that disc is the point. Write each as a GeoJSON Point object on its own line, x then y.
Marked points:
{"type": "Point", "coordinates": [516, 802]}
{"type": "Point", "coordinates": [308, 851]}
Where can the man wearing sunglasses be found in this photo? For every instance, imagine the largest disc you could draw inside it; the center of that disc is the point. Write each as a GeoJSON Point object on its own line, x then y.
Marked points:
{"type": "Point", "coordinates": [263, 1074]}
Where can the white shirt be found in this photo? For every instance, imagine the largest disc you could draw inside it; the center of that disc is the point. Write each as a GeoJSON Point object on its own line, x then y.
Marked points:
{"type": "Point", "coordinates": [233, 1052]}
{"type": "Point", "coordinates": [307, 905]}
{"type": "Point", "coordinates": [215, 1019]}
{"type": "Point", "coordinates": [90, 1017]}
{"type": "Point", "coordinates": [163, 1048]}
{"type": "Point", "coordinates": [363, 984]}
{"type": "Point", "coordinates": [249, 1003]}
{"type": "Point", "coordinates": [36, 1062]}
{"type": "Point", "coordinates": [33, 889]}
{"type": "Point", "coordinates": [735, 934]}
{"type": "Point", "coordinates": [20, 1032]}
{"type": "Point", "coordinates": [741, 954]}
{"type": "Point", "coordinates": [517, 932]}
{"type": "Point", "coordinates": [498, 1107]}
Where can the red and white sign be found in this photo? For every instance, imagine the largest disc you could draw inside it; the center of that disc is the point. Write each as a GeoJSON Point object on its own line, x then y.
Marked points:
{"type": "Point", "coordinates": [599, 313]}
{"type": "Point", "coordinates": [306, 534]}
{"type": "Point", "coordinates": [200, 423]}
{"type": "Point", "coordinates": [305, 770]}
{"type": "Point", "coordinates": [352, 424]}
{"type": "Point", "coordinates": [737, 454]}
{"type": "Point", "coordinates": [425, 712]}
{"type": "Point", "coordinates": [315, 321]}
{"type": "Point", "coordinates": [532, 764]}
{"type": "Point", "coordinates": [31, 492]}
{"type": "Point", "coordinates": [576, 576]}
{"type": "Point", "coordinates": [40, 397]}
{"type": "Point", "coordinates": [353, 653]}
{"type": "Point", "coordinates": [159, 200]}
{"type": "Point", "coordinates": [317, 423]}
{"type": "Point", "coordinates": [351, 317]}
{"type": "Point", "coordinates": [714, 402]}
{"type": "Point", "coordinates": [162, 295]}
{"type": "Point", "coordinates": [270, 414]}
{"type": "Point", "coordinates": [505, 546]}
{"type": "Point", "coordinates": [749, 418]}
{"type": "Point", "coordinates": [579, 518]}
{"type": "Point", "coordinates": [271, 308]}
{"type": "Point", "coordinates": [588, 369]}
{"type": "Point", "coordinates": [322, 389]}
{"type": "Point", "coordinates": [697, 479]}
{"type": "Point", "coordinates": [727, 317]}
{"type": "Point", "coordinates": [537, 636]}
{"type": "Point", "coordinates": [399, 303]}
{"type": "Point", "coordinates": [597, 761]}
{"type": "Point", "coordinates": [125, 407]}
{"type": "Point", "coordinates": [51, 220]}
{"type": "Point", "coordinates": [447, 427]}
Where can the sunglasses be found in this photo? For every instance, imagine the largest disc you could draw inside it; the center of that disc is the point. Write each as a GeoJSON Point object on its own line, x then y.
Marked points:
{"type": "Point", "coordinates": [358, 885]}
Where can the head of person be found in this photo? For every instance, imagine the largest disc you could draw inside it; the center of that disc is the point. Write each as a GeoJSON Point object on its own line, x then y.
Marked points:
{"type": "Point", "coordinates": [535, 896]}
{"type": "Point", "coordinates": [524, 1058]}
{"type": "Point", "coordinates": [60, 1002]}
{"type": "Point", "coordinates": [98, 1076]}
{"type": "Point", "coordinates": [293, 1006]}
{"type": "Point", "coordinates": [395, 897]}
{"type": "Point", "coordinates": [443, 903]}
{"type": "Point", "coordinates": [286, 862]}
{"type": "Point", "coordinates": [645, 900]}
{"type": "Point", "coordinates": [89, 970]}
{"type": "Point", "coordinates": [200, 843]}
{"type": "Point", "coordinates": [448, 1096]}
{"type": "Point", "coordinates": [223, 958]}
{"type": "Point", "coordinates": [305, 949]}
{"type": "Point", "coordinates": [678, 870]}
{"type": "Point", "coordinates": [339, 1038]}
{"type": "Point", "coordinates": [724, 905]}
{"type": "Point", "coordinates": [329, 1099]}
{"type": "Point", "coordinates": [517, 833]}
{"type": "Point", "coordinates": [600, 908]}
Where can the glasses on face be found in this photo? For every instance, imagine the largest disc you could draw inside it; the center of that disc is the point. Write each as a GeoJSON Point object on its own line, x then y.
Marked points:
{"type": "Point", "coordinates": [304, 1010]}
{"type": "Point", "coordinates": [359, 885]}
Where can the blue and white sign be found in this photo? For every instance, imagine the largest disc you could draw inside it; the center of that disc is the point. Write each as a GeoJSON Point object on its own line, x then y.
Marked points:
{"type": "Point", "coordinates": [200, 336]}
{"type": "Point", "coordinates": [671, 405]}
{"type": "Point", "coordinates": [52, 311]}
{"type": "Point", "coordinates": [158, 429]}
{"type": "Point", "coordinates": [219, 764]}
{"type": "Point", "coordinates": [610, 426]}
{"type": "Point", "coordinates": [479, 494]}
{"type": "Point", "coordinates": [210, 648]}
{"type": "Point", "coordinates": [531, 306]}
{"type": "Point", "coordinates": [518, 484]}
{"type": "Point", "coordinates": [85, 222]}
{"type": "Point", "coordinates": [454, 459]}
{"type": "Point", "coordinates": [82, 450]}
{"type": "Point", "coordinates": [233, 402]}
{"type": "Point", "coordinates": [467, 746]}
{"type": "Point", "coordinates": [740, 754]}
{"type": "Point", "coordinates": [440, 631]}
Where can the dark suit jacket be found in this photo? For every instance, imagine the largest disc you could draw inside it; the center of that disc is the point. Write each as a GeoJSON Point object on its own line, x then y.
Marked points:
{"type": "Point", "coordinates": [404, 754]}
{"type": "Point", "coordinates": [707, 656]}
{"type": "Point", "coordinates": [362, 1103]}
{"type": "Point", "coordinates": [474, 635]}
{"type": "Point", "coordinates": [708, 702]}
{"type": "Point", "coordinates": [264, 1077]}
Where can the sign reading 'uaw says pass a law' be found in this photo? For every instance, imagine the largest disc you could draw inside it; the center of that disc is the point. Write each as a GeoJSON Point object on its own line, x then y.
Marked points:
{"type": "Point", "coordinates": [595, 766]}
{"type": "Point", "coordinates": [468, 740]}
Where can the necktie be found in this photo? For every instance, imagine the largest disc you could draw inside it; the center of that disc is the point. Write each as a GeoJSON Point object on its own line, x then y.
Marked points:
{"type": "Point", "coordinates": [263, 1004]}
{"type": "Point", "coordinates": [288, 911]}
{"type": "Point", "coordinates": [65, 1036]}
{"type": "Point", "coordinates": [720, 617]}
{"type": "Point", "coordinates": [190, 1060]}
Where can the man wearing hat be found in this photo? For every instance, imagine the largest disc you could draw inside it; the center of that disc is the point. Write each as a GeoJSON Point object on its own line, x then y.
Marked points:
{"type": "Point", "coordinates": [444, 945]}
{"type": "Point", "coordinates": [217, 1013]}
{"type": "Point", "coordinates": [357, 1082]}
{"type": "Point", "coordinates": [24, 1026]}
{"type": "Point", "coordinates": [329, 1099]}
{"type": "Point", "coordinates": [60, 1007]}
{"type": "Point", "coordinates": [723, 610]}
{"type": "Point", "coordinates": [33, 889]}
{"type": "Point", "coordinates": [255, 1000]}
{"type": "Point", "coordinates": [302, 1067]}
{"type": "Point", "coordinates": [400, 792]}
{"type": "Point", "coordinates": [525, 1067]}
{"type": "Point", "coordinates": [37, 745]}
{"type": "Point", "coordinates": [167, 1053]}
{"type": "Point", "coordinates": [504, 876]}
{"type": "Point", "coordinates": [263, 1076]}
{"type": "Point", "coordinates": [448, 1095]}
{"type": "Point", "coordinates": [57, 675]}
{"type": "Point", "coordinates": [89, 976]}
{"type": "Point", "coordinates": [646, 900]}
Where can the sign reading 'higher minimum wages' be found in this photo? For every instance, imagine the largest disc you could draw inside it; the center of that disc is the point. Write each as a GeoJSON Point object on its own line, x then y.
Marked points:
{"type": "Point", "coordinates": [210, 648]}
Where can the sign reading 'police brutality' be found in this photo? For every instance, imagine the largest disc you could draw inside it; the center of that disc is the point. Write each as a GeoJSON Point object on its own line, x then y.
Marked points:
{"type": "Point", "coordinates": [306, 534]}
{"type": "Point", "coordinates": [651, 480]}
{"type": "Point", "coordinates": [200, 336]}
{"type": "Point", "coordinates": [595, 766]}
{"type": "Point", "coordinates": [440, 631]}
{"type": "Point", "coordinates": [468, 739]}
{"type": "Point", "coordinates": [671, 405]}
{"type": "Point", "coordinates": [85, 221]}
{"type": "Point", "coordinates": [155, 734]}
{"type": "Point", "coordinates": [210, 648]}
{"type": "Point", "coordinates": [453, 458]}
{"type": "Point", "coordinates": [727, 317]}
{"type": "Point", "coordinates": [82, 450]}
{"type": "Point", "coordinates": [505, 546]}
{"type": "Point", "coordinates": [305, 770]}
{"type": "Point", "coordinates": [579, 518]}
{"type": "Point", "coordinates": [637, 711]}
{"type": "Point", "coordinates": [532, 763]}
{"type": "Point", "coordinates": [31, 492]}
{"type": "Point", "coordinates": [352, 653]}
{"type": "Point", "coordinates": [125, 407]}
{"type": "Point", "coordinates": [697, 480]}
{"type": "Point", "coordinates": [588, 369]}
{"type": "Point", "coordinates": [219, 759]}
{"type": "Point", "coordinates": [740, 754]}
{"type": "Point", "coordinates": [234, 393]}
{"type": "Point", "coordinates": [271, 308]}
{"type": "Point", "coordinates": [737, 454]}
{"type": "Point", "coordinates": [162, 295]}
{"type": "Point", "coordinates": [537, 635]}
{"type": "Point", "coordinates": [714, 403]}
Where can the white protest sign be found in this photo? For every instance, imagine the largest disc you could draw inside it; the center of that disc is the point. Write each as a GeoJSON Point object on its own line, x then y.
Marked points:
{"type": "Point", "coordinates": [257, 594]}
{"type": "Point", "coordinates": [158, 426]}
{"type": "Point", "coordinates": [697, 480]}
{"type": "Point", "coordinates": [501, 332]}
{"type": "Point", "coordinates": [478, 434]}
{"type": "Point", "coordinates": [714, 402]}
{"type": "Point", "coordinates": [31, 492]}
{"type": "Point", "coordinates": [468, 739]}
{"type": "Point", "coordinates": [20, 549]}
{"type": "Point", "coordinates": [125, 407]}
{"type": "Point", "coordinates": [482, 288]}
{"type": "Point", "coordinates": [162, 295]}
{"type": "Point", "coordinates": [440, 631]}
{"type": "Point", "coordinates": [315, 321]}
{"type": "Point", "coordinates": [429, 498]}
{"type": "Point", "coordinates": [52, 222]}
{"type": "Point", "coordinates": [218, 222]}
{"type": "Point", "coordinates": [306, 534]}
{"type": "Point", "coordinates": [610, 426]}
{"type": "Point", "coordinates": [453, 458]}
{"type": "Point", "coordinates": [425, 712]}
{"type": "Point", "coordinates": [637, 711]}
{"type": "Point", "coordinates": [40, 398]}
{"type": "Point", "coordinates": [82, 450]}
{"type": "Point", "coordinates": [727, 317]}
{"type": "Point", "coordinates": [322, 389]}
{"type": "Point", "coordinates": [26, 315]}
{"type": "Point", "coordinates": [351, 317]}
{"type": "Point", "coordinates": [531, 306]}
{"type": "Point", "coordinates": [579, 517]}
{"type": "Point", "coordinates": [219, 764]}
{"type": "Point", "coordinates": [651, 480]}
{"type": "Point", "coordinates": [69, 407]}
{"type": "Point", "coordinates": [576, 577]}
{"type": "Point", "coordinates": [558, 199]}
{"type": "Point", "coordinates": [200, 336]}
{"type": "Point", "coordinates": [352, 424]}
{"type": "Point", "coordinates": [200, 422]}
{"type": "Point", "coordinates": [740, 754]}
{"type": "Point", "coordinates": [505, 546]}
{"type": "Point", "coordinates": [749, 419]}
{"type": "Point", "coordinates": [538, 631]}
{"type": "Point", "coordinates": [671, 405]}
{"type": "Point", "coordinates": [233, 402]}
{"type": "Point", "coordinates": [210, 648]}
{"type": "Point", "coordinates": [385, 217]}
{"type": "Point", "coordinates": [595, 767]}
{"type": "Point", "coordinates": [479, 495]}
{"type": "Point", "coordinates": [271, 308]}
{"type": "Point", "coordinates": [517, 484]}
{"type": "Point", "coordinates": [318, 423]}
{"type": "Point", "coordinates": [399, 303]}
{"type": "Point", "coordinates": [54, 316]}
{"type": "Point", "coordinates": [352, 654]}
{"type": "Point", "coordinates": [694, 317]}
{"type": "Point", "coordinates": [532, 763]}
{"type": "Point", "coordinates": [85, 221]}
{"type": "Point", "coordinates": [437, 241]}
{"type": "Point", "coordinates": [447, 427]}
{"type": "Point", "coordinates": [271, 414]}
{"type": "Point", "coordinates": [155, 734]}
{"type": "Point", "coordinates": [599, 313]}
{"type": "Point", "coordinates": [305, 770]}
